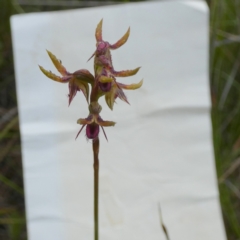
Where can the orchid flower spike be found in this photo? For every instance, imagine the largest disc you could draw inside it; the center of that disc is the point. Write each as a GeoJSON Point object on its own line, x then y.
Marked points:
{"type": "Point", "coordinates": [105, 74]}
{"type": "Point", "coordinates": [102, 83]}
{"type": "Point", "coordinates": [77, 81]}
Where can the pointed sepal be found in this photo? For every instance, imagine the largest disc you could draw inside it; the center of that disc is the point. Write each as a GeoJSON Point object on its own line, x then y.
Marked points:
{"type": "Point", "coordinates": [83, 86]}
{"type": "Point", "coordinates": [110, 97]}
{"type": "Point", "coordinates": [51, 75]}
{"type": "Point", "coordinates": [72, 92]}
{"type": "Point", "coordinates": [98, 33]}
{"type": "Point", "coordinates": [121, 41]}
{"type": "Point", "coordinates": [92, 56]}
{"type": "Point", "coordinates": [121, 95]}
{"type": "Point", "coordinates": [126, 73]}
{"type": "Point", "coordinates": [79, 131]}
{"type": "Point", "coordinates": [57, 63]}
{"type": "Point", "coordinates": [131, 86]}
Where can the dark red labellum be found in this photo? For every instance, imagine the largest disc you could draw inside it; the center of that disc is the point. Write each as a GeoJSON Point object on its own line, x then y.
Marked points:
{"type": "Point", "coordinates": [105, 87]}
{"type": "Point", "coordinates": [92, 131]}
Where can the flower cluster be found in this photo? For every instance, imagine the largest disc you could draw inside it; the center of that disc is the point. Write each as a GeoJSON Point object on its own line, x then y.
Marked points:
{"type": "Point", "coordinates": [103, 83]}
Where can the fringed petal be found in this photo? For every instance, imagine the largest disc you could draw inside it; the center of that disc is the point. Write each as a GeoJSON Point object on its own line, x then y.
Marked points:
{"type": "Point", "coordinates": [131, 86]}
{"type": "Point", "coordinates": [121, 41]}
{"type": "Point", "coordinates": [57, 63]}
{"type": "Point", "coordinates": [125, 73]}
{"type": "Point", "coordinates": [51, 75]}
{"type": "Point", "coordinates": [98, 33]}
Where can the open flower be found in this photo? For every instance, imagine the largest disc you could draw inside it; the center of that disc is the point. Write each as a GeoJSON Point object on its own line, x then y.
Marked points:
{"type": "Point", "coordinates": [77, 81]}
{"type": "Point", "coordinates": [103, 83]}
{"type": "Point", "coordinates": [105, 74]}
{"type": "Point", "coordinates": [93, 121]}
{"type": "Point", "coordinates": [113, 89]}
{"type": "Point", "coordinates": [108, 76]}
{"type": "Point", "coordinates": [103, 59]}
{"type": "Point", "coordinates": [117, 92]}
{"type": "Point", "coordinates": [103, 47]}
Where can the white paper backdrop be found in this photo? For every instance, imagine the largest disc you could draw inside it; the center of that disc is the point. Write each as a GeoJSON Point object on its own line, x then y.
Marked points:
{"type": "Point", "coordinates": [160, 150]}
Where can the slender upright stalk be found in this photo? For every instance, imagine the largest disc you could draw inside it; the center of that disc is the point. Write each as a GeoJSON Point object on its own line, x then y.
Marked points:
{"type": "Point", "coordinates": [96, 170]}
{"type": "Point", "coordinates": [102, 83]}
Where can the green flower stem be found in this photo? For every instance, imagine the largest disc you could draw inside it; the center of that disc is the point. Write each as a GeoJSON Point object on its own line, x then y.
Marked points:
{"type": "Point", "coordinates": [94, 94]}
{"type": "Point", "coordinates": [96, 171]}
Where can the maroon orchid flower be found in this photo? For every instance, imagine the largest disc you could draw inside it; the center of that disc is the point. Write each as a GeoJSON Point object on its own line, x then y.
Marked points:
{"type": "Point", "coordinates": [104, 71]}
{"type": "Point", "coordinates": [77, 81]}
{"type": "Point", "coordinates": [93, 121]}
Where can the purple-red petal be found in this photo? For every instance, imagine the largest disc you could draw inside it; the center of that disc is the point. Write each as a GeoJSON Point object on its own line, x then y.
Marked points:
{"type": "Point", "coordinates": [92, 131]}
{"type": "Point", "coordinates": [105, 87]}
{"type": "Point", "coordinates": [72, 92]}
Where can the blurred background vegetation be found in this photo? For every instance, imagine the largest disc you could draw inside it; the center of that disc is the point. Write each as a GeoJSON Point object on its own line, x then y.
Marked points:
{"type": "Point", "coordinates": [224, 80]}
{"type": "Point", "coordinates": [12, 208]}
{"type": "Point", "coordinates": [225, 93]}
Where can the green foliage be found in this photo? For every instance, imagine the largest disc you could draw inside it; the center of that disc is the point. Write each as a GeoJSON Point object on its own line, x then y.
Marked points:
{"type": "Point", "coordinates": [225, 93]}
